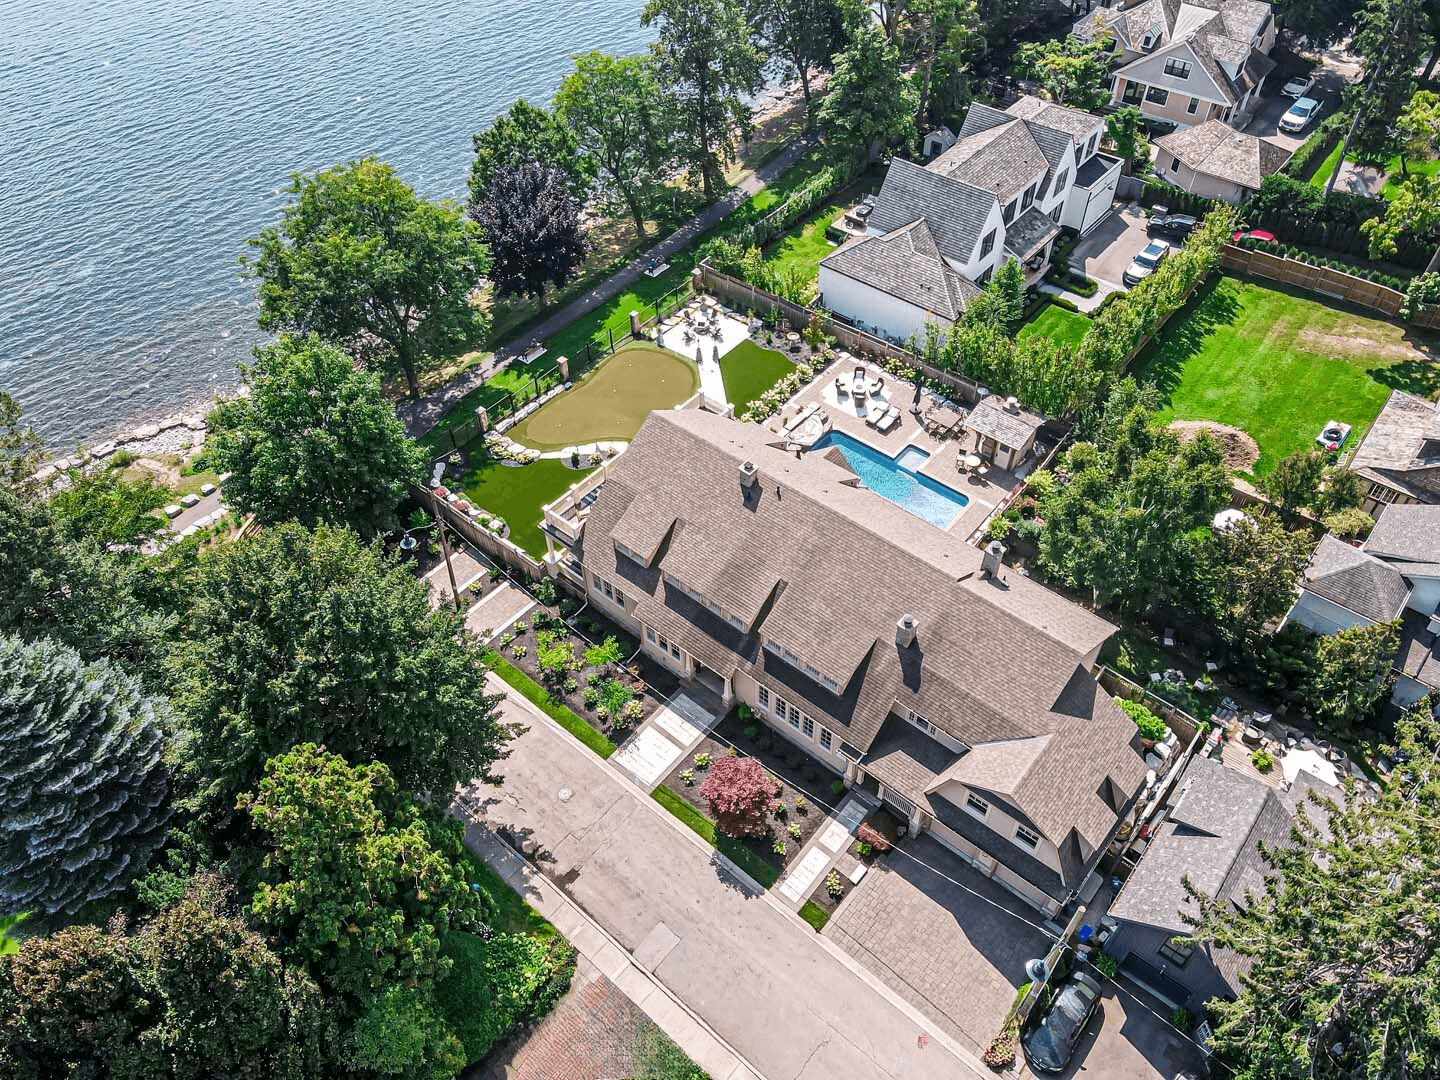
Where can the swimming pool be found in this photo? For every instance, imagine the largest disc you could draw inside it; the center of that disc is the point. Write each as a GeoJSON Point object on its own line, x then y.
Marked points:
{"type": "Point", "coordinates": [896, 479]}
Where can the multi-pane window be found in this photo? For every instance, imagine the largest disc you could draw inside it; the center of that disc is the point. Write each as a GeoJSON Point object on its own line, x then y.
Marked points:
{"type": "Point", "coordinates": [830, 684]}
{"type": "Point", "coordinates": [609, 591]}
{"type": "Point", "coordinates": [664, 645]}
{"type": "Point", "coordinates": [1060, 180]}
{"type": "Point", "coordinates": [650, 634]}
{"type": "Point", "coordinates": [1090, 146]}
{"type": "Point", "coordinates": [619, 597]}
{"type": "Point", "coordinates": [807, 727]}
{"type": "Point", "coordinates": [1193, 106]}
{"type": "Point", "coordinates": [674, 651]}
{"type": "Point", "coordinates": [1029, 197]}
{"type": "Point", "coordinates": [781, 706]}
{"type": "Point", "coordinates": [1157, 95]}
{"type": "Point", "coordinates": [1382, 494]}
{"type": "Point", "coordinates": [1176, 954]}
{"type": "Point", "coordinates": [1179, 68]}
{"type": "Point", "coordinates": [1174, 164]}
{"type": "Point", "coordinates": [794, 718]}
{"type": "Point", "coordinates": [764, 698]}
{"type": "Point", "coordinates": [1026, 838]}
{"type": "Point", "coordinates": [977, 805]}
{"type": "Point", "coordinates": [1134, 94]}
{"type": "Point", "coordinates": [1008, 214]}
{"type": "Point", "coordinates": [988, 244]}
{"type": "Point", "coordinates": [826, 738]}
{"type": "Point", "coordinates": [920, 721]}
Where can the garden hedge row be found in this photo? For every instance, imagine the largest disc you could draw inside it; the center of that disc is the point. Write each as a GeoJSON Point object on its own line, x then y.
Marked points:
{"type": "Point", "coordinates": [540, 697]}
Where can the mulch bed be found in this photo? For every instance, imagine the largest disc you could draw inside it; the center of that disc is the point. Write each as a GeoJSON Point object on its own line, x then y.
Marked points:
{"type": "Point", "coordinates": [650, 683]}
{"type": "Point", "coordinates": [799, 775]}
{"type": "Point", "coordinates": [883, 822]}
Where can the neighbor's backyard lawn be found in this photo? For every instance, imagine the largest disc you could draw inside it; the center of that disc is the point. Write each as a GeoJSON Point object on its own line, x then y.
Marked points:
{"type": "Point", "coordinates": [749, 370]}
{"type": "Point", "coordinates": [612, 401]}
{"type": "Point", "coordinates": [517, 493]}
{"type": "Point", "coordinates": [1279, 363]}
{"type": "Point", "coordinates": [1060, 325]}
{"type": "Point", "coordinates": [1391, 168]}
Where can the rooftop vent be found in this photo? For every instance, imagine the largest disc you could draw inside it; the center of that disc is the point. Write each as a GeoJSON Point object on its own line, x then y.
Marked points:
{"type": "Point", "coordinates": [992, 562]}
{"type": "Point", "coordinates": [1012, 405]}
{"type": "Point", "coordinates": [905, 630]}
{"type": "Point", "coordinates": [749, 473]}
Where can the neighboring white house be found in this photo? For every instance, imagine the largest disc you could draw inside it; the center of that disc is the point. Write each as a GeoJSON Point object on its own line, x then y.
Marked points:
{"type": "Point", "coordinates": [1394, 575]}
{"type": "Point", "coordinates": [936, 233]}
{"type": "Point", "coordinates": [1183, 62]}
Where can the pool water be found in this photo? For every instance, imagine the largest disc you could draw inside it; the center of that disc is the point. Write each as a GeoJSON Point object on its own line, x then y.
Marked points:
{"type": "Point", "coordinates": [896, 479]}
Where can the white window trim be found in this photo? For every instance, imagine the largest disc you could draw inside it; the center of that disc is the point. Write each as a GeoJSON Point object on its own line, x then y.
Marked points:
{"type": "Point", "coordinates": [971, 799]}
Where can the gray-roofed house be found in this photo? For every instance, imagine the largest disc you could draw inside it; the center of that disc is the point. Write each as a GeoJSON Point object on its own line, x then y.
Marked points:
{"type": "Point", "coordinates": [871, 639]}
{"type": "Point", "coordinates": [1400, 454]}
{"type": "Point", "coordinates": [1395, 574]}
{"type": "Point", "coordinates": [1184, 62]}
{"type": "Point", "coordinates": [1001, 189]}
{"type": "Point", "coordinates": [1211, 833]}
{"type": "Point", "coordinates": [1215, 160]}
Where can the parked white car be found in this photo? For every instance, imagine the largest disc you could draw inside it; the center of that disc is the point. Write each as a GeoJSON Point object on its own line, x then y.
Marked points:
{"type": "Point", "coordinates": [1299, 86]}
{"type": "Point", "coordinates": [1146, 262]}
{"type": "Point", "coordinates": [1298, 118]}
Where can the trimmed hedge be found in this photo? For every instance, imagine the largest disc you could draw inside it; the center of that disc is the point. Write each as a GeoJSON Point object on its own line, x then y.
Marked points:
{"type": "Point", "coordinates": [1314, 150]}
{"type": "Point", "coordinates": [1289, 251]}
{"type": "Point", "coordinates": [1177, 200]}
{"type": "Point", "coordinates": [540, 697]}
{"type": "Point", "coordinates": [728, 846]}
{"type": "Point", "coordinates": [814, 914]}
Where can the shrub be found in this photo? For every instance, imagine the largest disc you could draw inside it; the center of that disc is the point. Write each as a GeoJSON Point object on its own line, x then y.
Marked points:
{"type": "Point", "coordinates": [602, 713]}
{"type": "Point", "coordinates": [1151, 726]}
{"type": "Point", "coordinates": [833, 885]}
{"type": "Point", "coordinates": [493, 985]}
{"type": "Point", "coordinates": [496, 573]}
{"type": "Point", "coordinates": [1106, 965]}
{"type": "Point", "coordinates": [604, 654]}
{"type": "Point", "coordinates": [740, 796]}
{"type": "Point", "coordinates": [545, 592]}
{"type": "Point", "coordinates": [570, 686]}
{"type": "Point", "coordinates": [801, 806]}
{"type": "Point", "coordinates": [521, 652]}
{"type": "Point", "coordinates": [505, 640]}
{"type": "Point", "coordinates": [614, 695]}
{"type": "Point", "coordinates": [863, 849]}
{"type": "Point", "coordinates": [837, 788]}
{"type": "Point", "coordinates": [745, 713]}
{"type": "Point", "coordinates": [687, 777]}
{"type": "Point", "coordinates": [778, 808]}
{"type": "Point", "coordinates": [1262, 760]}
{"type": "Point", "coordinates": [521, 627]}
{"type": "Point", "coordinates": [554, 657]}
{"type": "Point", "coordinates": [731, 752]}
{"type": "Point", "coordinates": [1182, 1019]}
{"type": "Point", "coordinates": [1000, 1054]}
{"type": "Point", "coordinates": [874, 837]}
{"type": "Point", "coordinates": [794, 831]}
{"type": "Point", "coordinates": [778, 847]}
{"type": "Point", "coordinates": [702, 761]}
{"type": "Point", "coordinates": [633, 710]}
{"type": "Point", "coordinates": [590, 696]}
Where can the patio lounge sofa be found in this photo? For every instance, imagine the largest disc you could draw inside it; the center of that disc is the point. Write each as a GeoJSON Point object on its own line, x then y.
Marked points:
{"type": "Point", "coordinates": [887, 422]}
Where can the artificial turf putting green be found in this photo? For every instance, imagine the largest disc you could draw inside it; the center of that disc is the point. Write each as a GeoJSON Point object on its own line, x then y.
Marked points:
{"type": "Point", "coordinates": [612, 401]}
{"type": "Point", "coordinates": [749, 370]}
{"type": "Point", "coordinates": [516, 493]}
{"type": "Point", "coordinates": [1060, 325]}
{"type": "Point", "coordinates": [1279, 363]}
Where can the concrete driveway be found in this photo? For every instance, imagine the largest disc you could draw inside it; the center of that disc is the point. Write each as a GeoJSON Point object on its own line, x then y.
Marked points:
{"type": "Point", "coordinates": [954, 951]}
{"type": "Point", "coordinates": [1129, 1038]}
{"type": "Point", "coordinates": [1273, 105]}
{"type": "Point", "coordinates": [1106, 252]}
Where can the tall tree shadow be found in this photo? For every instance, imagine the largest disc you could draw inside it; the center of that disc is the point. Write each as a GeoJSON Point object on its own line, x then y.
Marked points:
{"type": "Point", "coordinates": [1185, 335]}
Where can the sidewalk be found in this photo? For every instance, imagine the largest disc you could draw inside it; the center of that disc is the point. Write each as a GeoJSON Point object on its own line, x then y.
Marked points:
{"type": "Point", "coordinates": [420, 416]}
{"type": "Point", "coordinates": [790, 1003]}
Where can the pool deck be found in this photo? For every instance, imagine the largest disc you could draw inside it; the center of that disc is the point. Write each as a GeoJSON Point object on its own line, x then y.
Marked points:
{"type": "Point", "coordinates": [984, 493]}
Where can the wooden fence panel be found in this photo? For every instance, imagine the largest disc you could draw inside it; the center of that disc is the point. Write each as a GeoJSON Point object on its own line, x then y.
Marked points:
{"type": "Point", "coordinates": [1320, 279]}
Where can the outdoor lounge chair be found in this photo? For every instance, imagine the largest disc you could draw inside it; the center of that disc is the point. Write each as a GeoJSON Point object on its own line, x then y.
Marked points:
{"type": "Point", "coordinates": [888, 421]}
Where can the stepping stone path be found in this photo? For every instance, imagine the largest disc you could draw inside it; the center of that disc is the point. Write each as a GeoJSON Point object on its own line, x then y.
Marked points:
{"type": "Point", "coordinates": [667, 735]}
{"type": "Point", "coordinates": [825, 847]}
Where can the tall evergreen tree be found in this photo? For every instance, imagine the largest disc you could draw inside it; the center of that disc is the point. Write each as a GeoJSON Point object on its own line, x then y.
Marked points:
{"type": "Point", "coordinates": [82, 785]}
{"type": "Point", "coordinates": [707, 65]}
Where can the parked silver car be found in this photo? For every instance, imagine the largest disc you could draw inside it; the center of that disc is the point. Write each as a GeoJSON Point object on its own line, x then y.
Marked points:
{"type": "Point", "coordinates": [1299, 115]}
{"type": "Point", "coordinates": [1146, 262]}
{"type": "Point", "coordinates": [1299, 86]}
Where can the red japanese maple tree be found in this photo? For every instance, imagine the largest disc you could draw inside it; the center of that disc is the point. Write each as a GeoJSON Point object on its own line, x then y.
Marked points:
{"type": "Point", "coordinates": [739, 794]}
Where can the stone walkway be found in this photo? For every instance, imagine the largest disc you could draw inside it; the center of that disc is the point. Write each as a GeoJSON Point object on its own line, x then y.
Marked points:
{"type": "Point", "coordinates": [1086, 304]}
{"type": "Point", "coordinates": [420, 416]}
{"type": "Point", "coordinates": [497, 612]}
{"type": "Point", "coordinates": [666, 736]}
{"type": "Point", "coordinates": [824, 850]}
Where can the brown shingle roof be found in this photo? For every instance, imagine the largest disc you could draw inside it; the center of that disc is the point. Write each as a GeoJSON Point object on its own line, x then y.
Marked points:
{"type": "Point", "coordinates": [1409, 533]}
{"type": "Point", "coordinates": [1396, 448]}
{"type": "Point", "coordinates": [992, 419]}
{"type": "Point", "coordinates": [1216, 149]}
{"type": "Point", "coordinates": [1357, 582]}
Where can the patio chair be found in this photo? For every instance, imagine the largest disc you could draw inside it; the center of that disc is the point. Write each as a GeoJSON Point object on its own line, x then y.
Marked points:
{"type": "Point", "coordinates": [858, 386]}
{"type": "Point", "coordinates": [889, 421]}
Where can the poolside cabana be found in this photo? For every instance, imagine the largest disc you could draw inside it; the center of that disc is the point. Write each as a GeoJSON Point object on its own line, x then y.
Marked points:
{"type": "Point", "coordinates": [1002, 431]}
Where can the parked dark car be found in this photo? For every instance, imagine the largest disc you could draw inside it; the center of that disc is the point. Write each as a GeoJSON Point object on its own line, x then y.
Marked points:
{"type": "Point", "coordinates": [1176, 225]}
{"type": "Point", "coordinates": [1050, 1043]}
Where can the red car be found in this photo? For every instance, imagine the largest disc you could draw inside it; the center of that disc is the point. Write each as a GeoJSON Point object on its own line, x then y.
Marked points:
{"type": "Point", "coordinates": [1254, 234]}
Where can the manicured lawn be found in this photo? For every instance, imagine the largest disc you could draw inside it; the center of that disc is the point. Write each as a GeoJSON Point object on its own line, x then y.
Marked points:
{"type": "Point", "coordinates": [803, 248]}
{"type": "Point", "coordinates": [1060, 325]}
{"type": "Point", "coordinates": [740, 855]}
{"type": "Point", "coordinates": [547, 704]}
{"type": "Point", "coordinates": [612, 401]}
{"type": "Point", "coordinates": [1321, 176]}
{"type": "Point", "coordinates": [1391, 168]}
{"type": "Point", "coordinates": [749, 371]}
{"type": "Point", "coordinates": [1279, 363]}
{"type": "Point", "coordinates": [516, 493]}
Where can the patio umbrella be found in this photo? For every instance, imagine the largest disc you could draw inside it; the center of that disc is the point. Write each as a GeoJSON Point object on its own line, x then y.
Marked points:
{"type": "Point", "coordinates": [699, 356]}
{"type": "Point", "coordinates": [919, 388]}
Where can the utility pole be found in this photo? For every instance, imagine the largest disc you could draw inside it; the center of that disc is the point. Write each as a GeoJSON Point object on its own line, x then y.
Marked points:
{"type": "Point", "coordinates": [445, 550]}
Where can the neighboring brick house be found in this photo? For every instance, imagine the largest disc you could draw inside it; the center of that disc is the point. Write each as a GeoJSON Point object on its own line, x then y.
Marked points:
{"type": "Point", "coordinates": [936, 233]}
{"type": "Point", "coordinates": [1187, 61]}
{"type": "Point", "coordinates": [1395, 574]}
{"type": "Point", "coordinates": [1400, 454]}
{"type": "Point", "coordinates": [1214, 160]}
{"type": "Point", "coordinates": [873, 640]}
{"type": "Point", "coordinates": [1211, 834]}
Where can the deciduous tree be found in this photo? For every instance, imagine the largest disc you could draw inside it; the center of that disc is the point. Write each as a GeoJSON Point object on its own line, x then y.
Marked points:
{"type": "Point", "coordinates": [529, 135]}
{"type": "Point", "coordinates": [803, 35]}
{"type": "Point", "coordinates": [1341, 944]}
{"type": "Point", "coordinates": [532, 227]}
{"type": "Point", "coordinates": [108, 507]}
{"type": "Point", "coordinates": [707, 65]}
{"type": "Point", "coordinates": [871, 102]}
{"type": "Point", "coordinates": [1073, 70]}
{"type": "Point", "coordinates": [739, 794]}
{"type": "Point", "coordinates": [359, 259]}
{"type": "Point", "coordinates": [616, 109]}
{"type": "Point", "coordinates": [1247, 573]}
{"type": "Point", "coordinates": [1125, 129]}
{"type": "Point", "coordinates": [1295, 482]}
{"type": "Point", "coordinates": [83, 790]}
{"type": "Point", "coordinates": [351, 655]}
{"type": "Point", "coordinates": [315, 441]}
{"type": "Point", "coordinates": [1350, 673]}
{"type": "Point", "coordinates": [358, 884]}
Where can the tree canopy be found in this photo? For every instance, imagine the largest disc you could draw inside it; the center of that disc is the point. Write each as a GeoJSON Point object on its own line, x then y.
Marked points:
{"type": "Point", "coordinates": [802, 35]}
{"type": "Point", "coordinates": [707, 64]}
{"type": "Point", "coordinates": [529, 135]}
{"type": "Point", "coordinates": [315, 441]}
{"type": "Point", "coordinates": [532, 227]}
{"type": "Point", "coordinates": [871, 102]}
{"type": "Point", "coordinates": [84, 793]}
{"type": "Point", "coordinates": [359, 259]}
{"type": "Point", "coordinates": [1076, 72]}
{"type": "Point", "coordinates": [352, 656]}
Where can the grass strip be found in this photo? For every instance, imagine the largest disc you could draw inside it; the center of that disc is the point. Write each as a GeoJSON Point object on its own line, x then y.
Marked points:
{"type": "Point", "coordinates": [728, 846]}
{"type": "Point", "coordinates": [814, 914]}
{"type": "Point", "coordinates": [540, 697]}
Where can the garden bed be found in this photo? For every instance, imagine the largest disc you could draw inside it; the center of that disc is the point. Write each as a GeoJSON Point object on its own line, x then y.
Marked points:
{"type": "Point", "coordinates": [805, 789]}
{"type": "Point", "coordinates": [592, 674]}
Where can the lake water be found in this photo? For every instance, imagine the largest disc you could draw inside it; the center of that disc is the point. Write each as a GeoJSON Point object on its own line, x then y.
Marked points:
{"type": "Point", "coordinates": [144, 141]}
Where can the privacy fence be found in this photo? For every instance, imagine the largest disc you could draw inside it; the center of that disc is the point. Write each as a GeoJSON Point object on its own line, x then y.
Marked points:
{"type": "Point", "coordinates": [1326, 281]}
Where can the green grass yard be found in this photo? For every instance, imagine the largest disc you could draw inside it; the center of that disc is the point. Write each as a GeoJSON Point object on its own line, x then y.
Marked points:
{"type": "Point", "coordinates": [1279, 363]}
{"type": "Point", "coordinates": [749, 370]}
{"type": "Point", "coordinates": [1393, 175]}
{"type": "Point", "coordinates": [516, 493]}
{"type": "Point", "coordinates": [612, 401]}
{"type": "Point", "coordinates": [1060, 325]}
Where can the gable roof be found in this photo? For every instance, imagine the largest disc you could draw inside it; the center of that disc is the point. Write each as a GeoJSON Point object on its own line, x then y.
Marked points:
{"type": "Point", "coordinates": [991, 418]}
{"type": "Point", "coordinates": [1402, 447]}
{"type": "Point", "coordinates": [1406, 534]}
{"type": "Point", "coordinates": [1037, 112]}
{"type": "Point", "coordinates": [906, 264]}
{"type": "Point", "coordinates": [1004, 159]}
{"type": "Point", "coordinates": [1216, 149]}
{"type": "Point", "coordinates": [991, 662]}
{"type": "Point", "coordinates": [955, 212]}
{"type": "Point", "coordinates": [1356, 581]}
